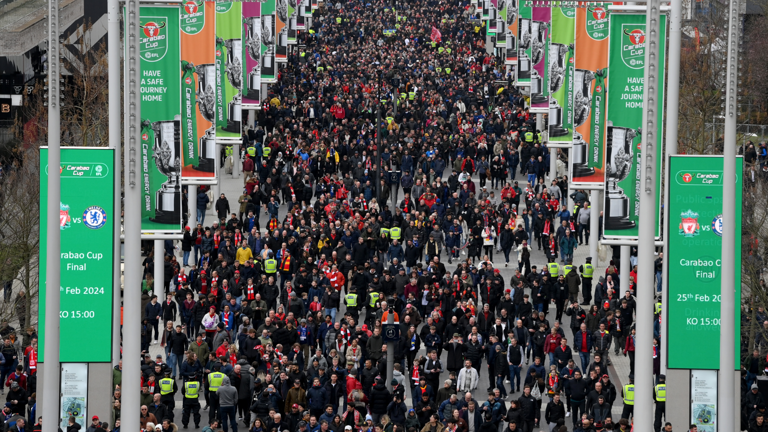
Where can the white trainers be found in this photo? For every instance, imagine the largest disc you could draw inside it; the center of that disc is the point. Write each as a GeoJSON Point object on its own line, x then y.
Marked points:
{"type": "Point", "coordinates": [568, 414]}
{"type": "Point", "coordinates": [506, 381]}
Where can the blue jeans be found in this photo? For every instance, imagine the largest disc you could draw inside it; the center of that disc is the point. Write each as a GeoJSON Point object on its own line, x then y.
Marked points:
{"type": "Point", "coordinates": [532, 179]}
{"type": "Point", "coordinates": [201, 216]}
{"type": "Point", "coordinates": [750, 379]}
{"type": "Point", "coordinates": [584, 356]}
{"type": "Point", "coordinates": [552, 360]}
{"type": "Point", "coordinates": [500, 386]}
{"type": "Point", "coordinates": [514, 373]}
{"type": "Point", "coordinates": [186, 258]}
{"type": "Point", "coordinates": [171, 360]}
{"type": "Point", "coordinates": [658, 281]}
{"type": "Point", "coordinates": [198, 252]}
{"type": "Point", "coordinates": [540, 307]}
{"type": "Point", "coordinates": [227, 414]}
{"type": "Point", "coordinates": [332, 313]}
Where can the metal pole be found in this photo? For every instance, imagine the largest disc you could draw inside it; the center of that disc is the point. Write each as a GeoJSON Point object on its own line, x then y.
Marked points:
{"type": "Point", "coordinates": [192, 206]}
{"type": "Point", "coordinates": [552, 163]}
{"type": "Point", "coordinates": [647, 220]}
{"type": "Point", "coordinates": [594, 226]}
{"type": "Point", "coordinates": [236, 160]}
{"type": "Point", "coordinates": [624, 269]}
{"type": "Point", "coordinates": [132, 220]}
{"type": "Point", "coordinates": [673, 108]}
{"type": "Point", "coordinates": [390, 349]}
{"type": "Point", "coordinates": [726, 383]}
{"type": "Point", "coordinates": [52, 371]}
{"type": "Point", "coordinates": [159, 270]}
{"type": "Point", "coordinates": [217, 186]}
{"type": "Point", "coordinates": [114, 53]}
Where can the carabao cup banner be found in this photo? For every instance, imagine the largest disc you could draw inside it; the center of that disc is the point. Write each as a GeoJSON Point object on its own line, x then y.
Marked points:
{"type": "Point", "coordinates": [524, 65]}
{"type": "Point", "coordinates": [160, 120]}
{"type": "Point", "coordinates": [281, 29]}
{"type": "Point", "coordinates": [268, 42]}
{"type": "Point", "coordinates": [198, 91]}
{"type": "Point", "coordinates": [626, 65]}
{"type": "Point", "coordinates": [86, 220]}
{"type": "Point", "coordinates": [589, 96]}
{"type": "Point", "coordinates": [509, 14]}
{"type": "Point", "coordinates": [561, 72]}
{"type": "Point", "coordinates": [695, 253]}
{"type": "Point", "coordinates": [540, 35]}
{"type": "Point", "coordinates": [229, 65]}
{"type": "Point", "coordinates": [252, 55]}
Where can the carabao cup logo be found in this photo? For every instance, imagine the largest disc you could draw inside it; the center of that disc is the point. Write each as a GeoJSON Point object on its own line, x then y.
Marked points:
{"type": "Point", "coordinates": [192, 17]}
{"type": "Point", "coordinates": [633, 45]}
{"type": "Point", "coordinates": [154, 43]}
{"type": "Point", "coordinates": [596, 23]}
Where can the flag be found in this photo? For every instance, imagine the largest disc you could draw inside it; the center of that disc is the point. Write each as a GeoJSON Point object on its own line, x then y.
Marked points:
{"type": "Point", "coordinates": [436, 36]}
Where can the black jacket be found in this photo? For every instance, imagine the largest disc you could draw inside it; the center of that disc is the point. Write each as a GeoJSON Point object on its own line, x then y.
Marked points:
{"type": "Point", "coordinates": [380, 398]}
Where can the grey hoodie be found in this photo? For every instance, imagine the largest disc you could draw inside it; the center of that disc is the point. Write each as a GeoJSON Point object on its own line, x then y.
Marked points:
{"type": "Point", "coordinates": [227, 394]}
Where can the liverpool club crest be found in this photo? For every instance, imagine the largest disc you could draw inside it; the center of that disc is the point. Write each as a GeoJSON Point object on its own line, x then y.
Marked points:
{"type": "Point", "coordinates": [689, 224]}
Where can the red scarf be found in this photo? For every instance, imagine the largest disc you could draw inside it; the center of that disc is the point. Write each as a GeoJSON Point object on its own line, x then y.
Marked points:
{"type": "Point", "coordinates": [249, 291]}
{"type": "Point", "coordinates": [415, 377]}
{"type": "Point", "coordinates": [238, 238]}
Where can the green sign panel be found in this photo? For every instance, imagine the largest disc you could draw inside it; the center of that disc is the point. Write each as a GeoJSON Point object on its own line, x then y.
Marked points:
{"type": "Point", "coordinates": [87, 219]}
{"type": "Point", "coordinates": [695, 253]}
{"type": "Point", "coordinates": [229, 74]}
{"type": "Point", "coordinates": [623, 159]}
{"type": "Point", "coordinates": [160, 120]}
{"type": "Point", "coordinates": [561, 74]}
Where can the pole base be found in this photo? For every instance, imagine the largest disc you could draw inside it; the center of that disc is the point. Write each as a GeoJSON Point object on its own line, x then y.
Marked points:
{"type": "Point", "coordinates": [206, 165]}
{"type": "Point", "coordinates": [580, 170]}
{"type": "Point", "coordinates": [619, 223]}
{"type": "Point", "coordinates": [167, 217]}
{"type": "Point", "coordinates": [558, 131]}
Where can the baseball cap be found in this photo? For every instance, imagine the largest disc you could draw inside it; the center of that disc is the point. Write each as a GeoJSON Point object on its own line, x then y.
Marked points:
{"type": "Point", "coordinates": [295, 406]}
{"type": "Point", "coordinates": [95, 418]}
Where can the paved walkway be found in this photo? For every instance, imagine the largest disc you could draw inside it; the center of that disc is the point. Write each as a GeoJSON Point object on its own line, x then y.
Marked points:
{"type": "Point", "coordinates": [619, 371]}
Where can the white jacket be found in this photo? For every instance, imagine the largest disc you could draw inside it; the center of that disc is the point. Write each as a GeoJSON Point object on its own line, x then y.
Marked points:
{"type": "Point", "coordinates": [473, 379]}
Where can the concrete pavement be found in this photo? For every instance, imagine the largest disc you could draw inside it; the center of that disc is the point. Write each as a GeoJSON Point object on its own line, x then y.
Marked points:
{"type": "Point", "coordinates": [232, 187]}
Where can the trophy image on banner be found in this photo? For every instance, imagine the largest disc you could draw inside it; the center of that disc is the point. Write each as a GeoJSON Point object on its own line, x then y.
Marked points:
{"type": "Point", "coordinates": [557, 52]}
{"type": "Point", "coordinates": [523, 61]}
{"type": "Point", "coordinates": [235, 77]}
{"type": "Point", "coordinates": [253, 47]}
{"type": "Point", "coordinates": [165, 152]}
{"type": "Point", "coordinates": [620, 142]}
{"type": "Point", "coordinates": [538, 39]}
{"type": "Point", "coordinates": [268, 39]}
{"type": "Point", "coordinates": [582, 101]}
{"type": "Point", "coordinates": [206, 103]}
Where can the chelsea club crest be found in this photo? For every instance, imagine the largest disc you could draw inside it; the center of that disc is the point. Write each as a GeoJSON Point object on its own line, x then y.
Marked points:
{"type": "Point", "coordinates": [717, 225]}
{"type": "Point", "coordinates": [94, 217]}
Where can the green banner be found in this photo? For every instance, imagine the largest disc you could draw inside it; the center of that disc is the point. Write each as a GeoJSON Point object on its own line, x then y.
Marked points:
{"type": "Point", "coordinates": [86, 219]}
{"type": "Point", "coordinates": [229, 60]}
{"type": "Point", "coordinates": [269, 32]}
{"type": "Point", "coordinates": [189, 113]}
{"type": "Point", "coordinates": [626, 58]}
{"type": "Point", "coordinates": [160, 120]}
{"type": "Point", "coordinates": [695, 253]}
{"type": "Point", "coordinates": [524, 63]}
{"type": "Point", "coordinates": [561, 74]}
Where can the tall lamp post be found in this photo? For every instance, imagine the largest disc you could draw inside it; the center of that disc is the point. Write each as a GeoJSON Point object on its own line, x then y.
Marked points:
{"type": "Point", "coordinates": [52, 372]}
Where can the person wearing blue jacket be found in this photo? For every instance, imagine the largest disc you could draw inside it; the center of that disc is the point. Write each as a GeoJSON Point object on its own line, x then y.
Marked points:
{"type": "Point", "coordinates": [202, 203]}
{"type": "Point", "coordinates": [582, 344]}
{"type": "Point", "coordinates": [317, 398]}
